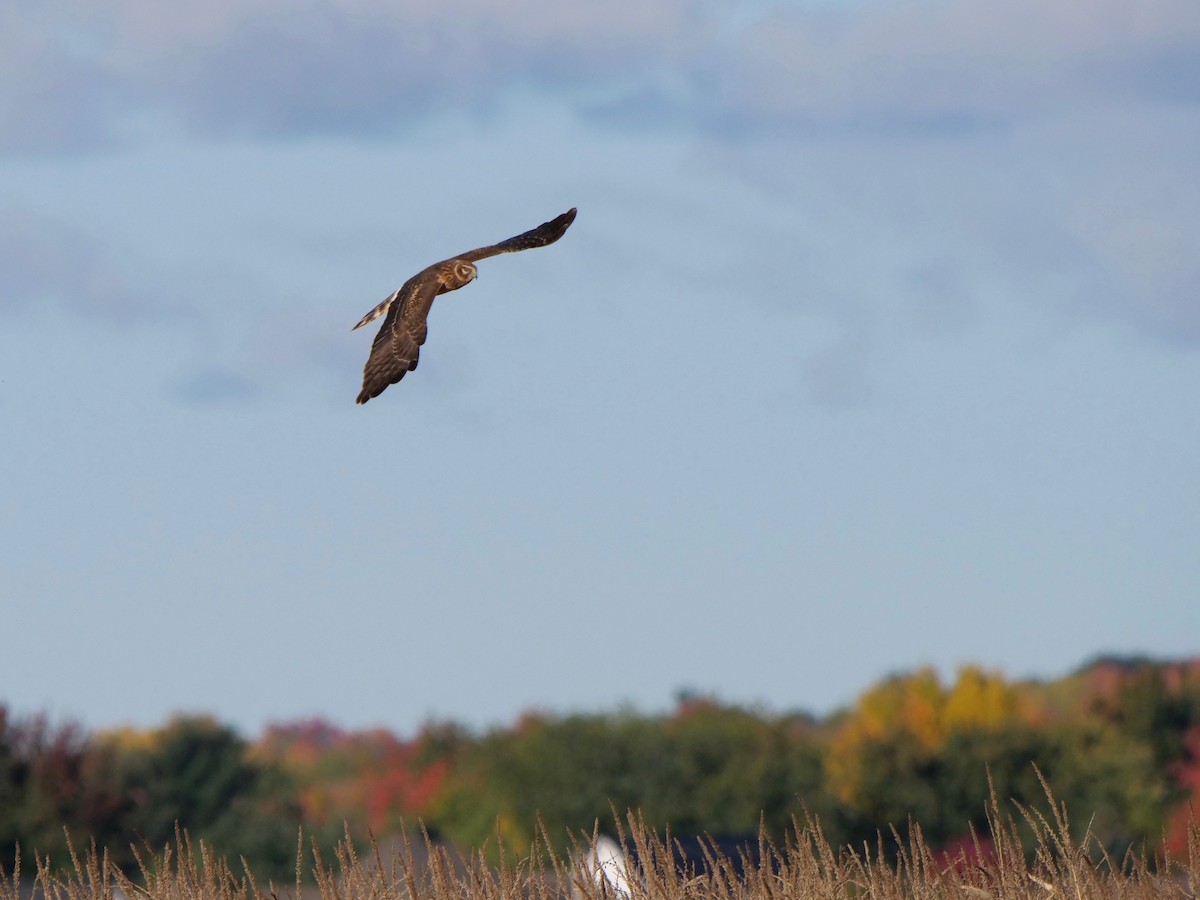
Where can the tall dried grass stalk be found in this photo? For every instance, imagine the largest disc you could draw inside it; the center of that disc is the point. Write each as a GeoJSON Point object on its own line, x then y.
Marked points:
{"type": "Point", "coordinates": [994, 867]}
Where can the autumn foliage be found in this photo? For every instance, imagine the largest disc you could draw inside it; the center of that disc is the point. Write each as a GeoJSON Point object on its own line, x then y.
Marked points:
{"type": "Point", "coordinates": [1119, 742]}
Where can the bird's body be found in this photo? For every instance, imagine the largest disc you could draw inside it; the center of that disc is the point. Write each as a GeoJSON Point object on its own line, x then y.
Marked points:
{"type": "Point", "coordinates": [397, 345]}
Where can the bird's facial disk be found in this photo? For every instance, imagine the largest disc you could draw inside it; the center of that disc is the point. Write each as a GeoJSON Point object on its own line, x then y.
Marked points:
{"type": "Point", "coordinates": [465, 273]}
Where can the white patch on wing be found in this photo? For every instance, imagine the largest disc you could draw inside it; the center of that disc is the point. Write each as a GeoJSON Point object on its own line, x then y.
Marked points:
{"type": "Point", "coordinates": [376, 312]}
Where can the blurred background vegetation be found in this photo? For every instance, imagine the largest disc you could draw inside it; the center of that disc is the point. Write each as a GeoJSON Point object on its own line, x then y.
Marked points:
{"type": "Point", "coordinates": [1118, 741]}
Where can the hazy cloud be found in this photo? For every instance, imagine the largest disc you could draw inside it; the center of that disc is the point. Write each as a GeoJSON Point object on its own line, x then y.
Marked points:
{"type": "Point", "coordinates": [1144, 237]}
{"type": "Point", "coordinates": [45, 261]}
{"type": "Point", "coordinates": [332, 66]}
{"type": "Point", "coordinates": [956, 67]}
{"type": "Point", "coordinates": [211, 387]}
{"type": "Point", "coordinates": [1084, 216]}
{"type": "Point", "coordinates": [52, 98]}
{"type": "Point", "coordinates": [836, 376]}
{"type": "Point", "coordinates": [81, 72]}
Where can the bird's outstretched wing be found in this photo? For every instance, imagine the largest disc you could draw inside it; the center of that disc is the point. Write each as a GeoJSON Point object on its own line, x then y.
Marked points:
{"type": "Point", "coordinates": [397, 346]}
{"type": "Point", "coordinates": [546, 233]}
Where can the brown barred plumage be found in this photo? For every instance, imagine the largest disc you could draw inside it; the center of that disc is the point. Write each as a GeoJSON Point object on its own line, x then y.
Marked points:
{"type": "Point", "coordinates": [397, 345]}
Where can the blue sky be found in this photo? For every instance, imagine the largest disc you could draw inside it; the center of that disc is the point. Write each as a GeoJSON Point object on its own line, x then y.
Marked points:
{"type": "Point", "coordinates": [876, 343]}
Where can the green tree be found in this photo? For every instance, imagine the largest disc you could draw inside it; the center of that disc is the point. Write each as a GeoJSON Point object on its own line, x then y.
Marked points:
{"type": "Point", "coordinates": [709, 768]}
{"type": "Point", "coordinates": [1111, 784]}
{"type": "Point", "coordinates": [1157, 705]}
{"type": "Point", "coordinates": [197, 774]}
{"type": "Point", "coordinates": [737, 768]}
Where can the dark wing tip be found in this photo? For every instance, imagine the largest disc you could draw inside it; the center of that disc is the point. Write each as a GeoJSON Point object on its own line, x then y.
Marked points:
{"type": "Point", "coordinates": [564, 221]}
{"type": "Point", "coordinates": [551, 231]}
{"type": "Point", "coordinates": [376, 383]}
{"type": "Point", "coordinates": [544, 234]}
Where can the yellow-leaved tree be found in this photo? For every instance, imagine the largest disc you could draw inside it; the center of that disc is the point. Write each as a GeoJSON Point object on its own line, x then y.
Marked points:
{"type": "Point", "coordinates": [916, 711]}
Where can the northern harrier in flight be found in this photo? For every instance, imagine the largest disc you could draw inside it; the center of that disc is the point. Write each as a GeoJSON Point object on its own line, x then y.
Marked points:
{"type": "Point", "coordinates": [396, 347]}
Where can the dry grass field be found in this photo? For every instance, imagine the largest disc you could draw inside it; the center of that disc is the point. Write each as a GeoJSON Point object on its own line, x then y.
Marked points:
{"type": "Point", "coordinates": [1050, 864]}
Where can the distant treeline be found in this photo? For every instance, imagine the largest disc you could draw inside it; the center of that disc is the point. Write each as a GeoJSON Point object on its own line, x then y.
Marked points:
{"type": "Point", "coordinates": [1118, 741]}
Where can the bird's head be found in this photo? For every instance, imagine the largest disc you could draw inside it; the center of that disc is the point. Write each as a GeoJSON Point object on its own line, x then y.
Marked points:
{"type": "Point", "coordinates": [461, 273]}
